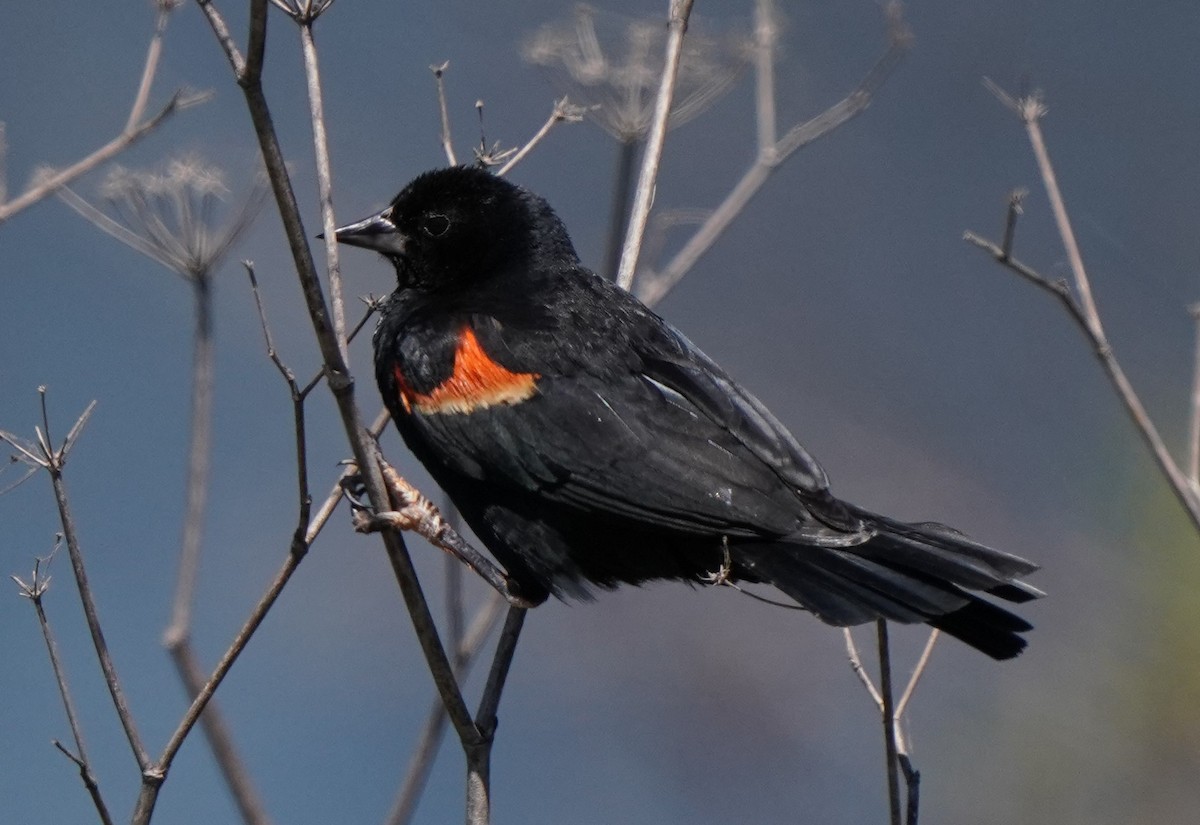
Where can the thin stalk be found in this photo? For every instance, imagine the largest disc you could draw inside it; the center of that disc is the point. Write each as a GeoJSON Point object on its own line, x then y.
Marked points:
{"type": "Point", "coordinates": [199, 457]}
{"type": "Point", "coordinates": [618, 218]}
{"type": "Point", "coordinates": [889, 721]}
{"type": "Point", "coordinates": [680, 11]}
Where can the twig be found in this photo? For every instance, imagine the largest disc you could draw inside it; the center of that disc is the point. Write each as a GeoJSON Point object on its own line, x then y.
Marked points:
{"type": "Point", "coordinates": [856, 665]}
{"type": "Point", "coordinates": [135, 129]}
{"type": "Point", "coordinates": [153, 53]}
{"type": "Point", "coordinates": [1015, 201]}
{"type": "Point", "coordinates": [889, 721]}
{"type": "Point", "coordinates": [53, 460]}
{"type": "Point", "coordinates": [655, 285]}
{"type": "Point", "coordinates": [912, 783]}
{"type": "Point", "coordinates": [421, 762]}
{"type": "Point", "coordinates": [766, 31]}
{"type": "Point", "coordinates": [479, 751]}
{"type": "Point", "coordinates": [447, 144]}
{"type": "Point", "coordinates": [564, 112]}
{"type": "Point", "coordinates": [892, 717]}
{"type": "Point", "coordinates": [677, 21]}
{"type": "Point", "coordinates": [618, 220]}
{"type": "Point", "coordinates": [1031, 109]}
{"type": "Point", "coordinates": [34, 591]}
{"type": "Point", "coordinates": [312, 74]}
{"type": "Point", "coordinates": [199, 454]}
{"type": "Point", "coordinates": [339, 379]}
{"type": "Point", "coordinates": [414, 511]}
{"type": "Point", "coordinates": [1179, 483]}
{"type": "Point", "coordinates": [220, 739]}
{"type": "Point", "coordinates": [918, 671]}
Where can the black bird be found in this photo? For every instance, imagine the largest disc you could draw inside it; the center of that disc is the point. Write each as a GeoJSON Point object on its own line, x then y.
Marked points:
{"type": "Point", "coordinates": [587, 442]}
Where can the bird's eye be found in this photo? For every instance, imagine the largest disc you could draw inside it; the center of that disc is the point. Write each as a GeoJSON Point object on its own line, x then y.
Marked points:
{"type": "Point", "coordinates": [435, 225]}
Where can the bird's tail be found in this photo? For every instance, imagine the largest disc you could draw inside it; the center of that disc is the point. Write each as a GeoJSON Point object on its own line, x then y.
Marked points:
{"type": "Point", "coordinates": [908, 573]}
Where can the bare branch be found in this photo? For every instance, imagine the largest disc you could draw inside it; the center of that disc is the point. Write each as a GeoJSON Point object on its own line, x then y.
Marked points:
{"type": "Point", "coordinates": [564, 112]}
{"type": "Point", "coordinates": [421, 761]}
{"type": "Point", "coordinates": [414, 511]}
{"type": "Point", "coordinates": [34, 591]}
{"type": "Point", "coordinates": [889, 721]}
{"type": "Point", "coordinates": [918, 671]}
{"type": "Point", "coordinates": [766, 31]}
{"type": "Point", "coordinates": [1091, 327]}
{"type": "Point", "coordinates": [312, 74]}
{"type": "Point", "coordinates": [506, 648]}
{"type": "Point", "coordinates": [134, 130]}
{"type": "Point", "coordinates": [51, 183]}
{"type": "Point", "coordinates": [220, 739]}
{"type": "Point", "coordinates": [479, 751]}
{"type": "Point", "coordinates": [341, 384]}
{"type": "Point", "coordinates": [856, 665]}
{"type": "Point", "coordinates": [153, 53]}
{"type": "Point", "coordinates": [272, 354]}
{"type": "Point", "coordinates": [1015, 210]}
{"type": "Point", "coordinates": [91, 615]}
{"type": "Point", "coordinates": [225, 38]}
{"type": "Point", "coordinates": [654, 285]}
{"type": "Point", "coordinates": [199, 456]}
{"type": "Point", "coordinates": [680, 11]}
{"type": "Point", "coordinates": [447, 144]}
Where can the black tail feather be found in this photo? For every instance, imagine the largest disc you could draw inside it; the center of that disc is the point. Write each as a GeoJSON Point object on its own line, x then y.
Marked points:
{"type": "Point", "coordinates": [908, 573]}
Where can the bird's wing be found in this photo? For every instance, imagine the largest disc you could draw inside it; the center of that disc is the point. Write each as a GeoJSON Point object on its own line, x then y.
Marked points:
{"type": "Point", "coordinates": [669, 441]}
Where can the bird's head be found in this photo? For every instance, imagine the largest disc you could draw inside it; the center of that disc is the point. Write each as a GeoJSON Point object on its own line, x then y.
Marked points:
{"type": "Point", "coordinates": [461, 227]}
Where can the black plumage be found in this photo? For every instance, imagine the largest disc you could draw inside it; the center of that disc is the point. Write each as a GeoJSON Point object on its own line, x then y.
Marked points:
{"type": "Point", "coordinates": [588, 442]}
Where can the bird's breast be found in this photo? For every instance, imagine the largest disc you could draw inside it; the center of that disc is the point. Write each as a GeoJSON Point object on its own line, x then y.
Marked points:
{"type": "Point", "coordinates": [476, 381]}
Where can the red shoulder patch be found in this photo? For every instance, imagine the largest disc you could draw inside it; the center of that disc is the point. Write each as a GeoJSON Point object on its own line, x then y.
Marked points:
{"type": "Point", "coordinates": [475, 382]}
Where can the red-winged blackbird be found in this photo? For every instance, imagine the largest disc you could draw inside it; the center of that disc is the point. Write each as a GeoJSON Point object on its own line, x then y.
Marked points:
{"type": "Point", "coordinates": [588, 442]}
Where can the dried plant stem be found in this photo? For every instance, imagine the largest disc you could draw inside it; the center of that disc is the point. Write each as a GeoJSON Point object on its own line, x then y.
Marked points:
{"type": "Point", "coordinates": [339, 379]}
{"type": "Point", "coordinates": [910, 688]}
{"type": "Point", "coordinates": [91, 615]}
{"type": "Point", "coordinates": [772, 153]}
{"type": "Point", "coordinates": [1080, 304]}
{"type": "Point", "coordinates": [135, 129]}
{"type": "Point", "coordinates": [479, 750]}
{"type": "Point", "coordinates": [896, 748]}
{"type": "Point", "coordinates": [177, 637]}
{"type": "Point", "coordinates": [421, 762]}
{"type": "Point", "coordinates": [220, 739]}
{"type": "Point", "coordinates": [563, 111]}
{"type": "Point", "coordinates": [199, 452]}
{"type": "Point", "coordinates": [766, 32]}
{"type": "Point", "coordinates": [618, 221]}
{"type": "Point", "coordinates": [312, 74]}
{"type": "Point", "coordinates": [35, 592]}
{"type": "Point", "coordinates": [889, 721]}
{"type": "Point", "coordinates": [1180, 484]}
{"type": "Point", "coordinates": [153, 53]}
{"type": "Point", "coordinates": [439, 73]}
{"type": "Point", "coordinates": [677, 21]}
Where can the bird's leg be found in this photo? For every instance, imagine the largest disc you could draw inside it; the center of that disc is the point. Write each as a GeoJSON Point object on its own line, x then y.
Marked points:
{"type": "Point", "coordinates": [413, 511]}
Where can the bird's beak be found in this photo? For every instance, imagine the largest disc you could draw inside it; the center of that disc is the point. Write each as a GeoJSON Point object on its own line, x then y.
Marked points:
{"type": "Point", "coordinates": [376, 232]}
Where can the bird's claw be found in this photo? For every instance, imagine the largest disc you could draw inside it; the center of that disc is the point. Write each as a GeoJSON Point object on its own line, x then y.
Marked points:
{"type": "Point", "coordinates": [354, 490]}
{"type": "Point", "coordinates": [724, 573]}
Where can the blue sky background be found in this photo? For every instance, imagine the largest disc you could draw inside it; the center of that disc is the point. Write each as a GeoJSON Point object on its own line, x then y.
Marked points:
{"type": "Point", "coordinates": [928, 381]}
